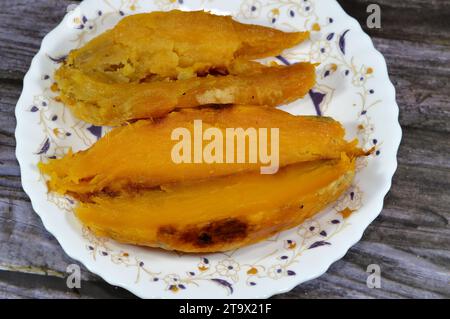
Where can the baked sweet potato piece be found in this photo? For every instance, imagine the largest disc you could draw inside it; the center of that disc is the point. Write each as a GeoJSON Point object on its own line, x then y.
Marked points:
{"type": "Point", "coordinates": [139, 155]}
{"type": "Point", "coordinates": [150, 64]}
{"type": "Point", "coordinates": [176, 45]}
{"type": "Point", "coordinates": [104, 103]}
{"type": "Point", "coordinates": [219, 214]}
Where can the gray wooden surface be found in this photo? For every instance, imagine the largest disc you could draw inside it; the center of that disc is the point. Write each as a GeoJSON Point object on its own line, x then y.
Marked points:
{"type": "Point", "coordinates": [410, 240]}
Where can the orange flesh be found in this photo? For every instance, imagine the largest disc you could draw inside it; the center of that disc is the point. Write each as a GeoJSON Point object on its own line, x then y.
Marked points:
{"type": "Point", "coordinates": [139, 155]}
{"type": "Point", "coordinates": [112, 104]}
{"type": "Point", "coordinates": [249, 206]}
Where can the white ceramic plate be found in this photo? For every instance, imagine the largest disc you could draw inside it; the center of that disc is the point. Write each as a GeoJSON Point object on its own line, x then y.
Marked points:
{"type": "Point", "coordinates": [353, 87]}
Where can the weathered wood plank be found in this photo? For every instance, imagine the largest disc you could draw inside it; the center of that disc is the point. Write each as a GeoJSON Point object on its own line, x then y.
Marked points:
{"type": "Point", "coordinates": [425, 148]}
{"type": "Point", "coordinates": [9, 94]}
{"type": "Point", "coordinates": [422, 21]}
{"type": "Point", "coordinates": [423, 159]}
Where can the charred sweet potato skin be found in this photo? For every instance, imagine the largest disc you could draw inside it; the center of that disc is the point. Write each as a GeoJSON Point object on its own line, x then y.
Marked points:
{"type": "Point", "coordinates": [203, 216]}
{"type": "Point", "coordinates": [139, 155]}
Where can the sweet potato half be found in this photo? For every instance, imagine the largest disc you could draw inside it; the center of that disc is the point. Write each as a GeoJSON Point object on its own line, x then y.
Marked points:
{"type": "Point", "coordinates": [222, 213]}
{"type": "Point", "coordinates": [139, 155]}
{"type": "Point", "coordinates": [130, 189]}
{"type": "Point", "coordinates": [150, 64]}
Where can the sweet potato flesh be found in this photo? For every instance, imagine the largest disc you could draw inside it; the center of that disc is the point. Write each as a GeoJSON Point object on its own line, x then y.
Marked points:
{"type": "Point", "coordinates": [112, 104]}
{"type": "Point", "coordinates": [163, 69]}
{"type": "Point", "coordinates": [150, 64]}
{"type": "Point", "coordinates": [176, 44]}
{"type": "Point", "coordinates": [139, 155]}
{"type": "Point", "coordinates": [222, 213]}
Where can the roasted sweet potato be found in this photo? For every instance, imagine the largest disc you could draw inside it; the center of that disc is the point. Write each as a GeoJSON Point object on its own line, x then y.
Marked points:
{"type": "Point", "coordinates": [111, 104]}
{"type": "Point", "coordinates": [176, 45]}
{"type": "Point", "coordinates": [150, 64]}
{"type": "Point", "coordinates": [148, 182]}
{"type": "Point", "coordinates": [139, 155]}
{"type": "Point", "coordinates": [219, 214]}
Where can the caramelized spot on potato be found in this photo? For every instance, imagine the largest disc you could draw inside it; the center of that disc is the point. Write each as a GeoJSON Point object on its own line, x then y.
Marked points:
{"type": "Point", "coordinates": [217, 232]}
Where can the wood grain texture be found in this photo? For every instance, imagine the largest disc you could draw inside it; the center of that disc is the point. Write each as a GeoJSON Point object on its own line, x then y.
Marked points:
{"type": "Point", "coordinates": [410, 240]}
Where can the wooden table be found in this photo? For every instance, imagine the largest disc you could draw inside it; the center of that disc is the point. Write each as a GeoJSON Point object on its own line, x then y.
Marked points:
{"type": "Point", "coordinates": [410, 240]}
